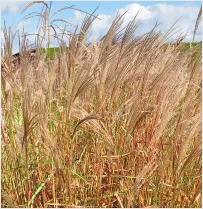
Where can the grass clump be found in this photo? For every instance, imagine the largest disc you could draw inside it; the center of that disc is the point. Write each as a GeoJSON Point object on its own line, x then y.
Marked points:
{"type": "Point", "coordinates": [115, 123]}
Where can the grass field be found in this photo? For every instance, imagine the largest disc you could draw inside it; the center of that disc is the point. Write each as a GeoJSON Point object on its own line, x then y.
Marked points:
{"type": "Point", "coordinates": [52, 52]}
{"type": "Point", "coordinates": [116, 123]}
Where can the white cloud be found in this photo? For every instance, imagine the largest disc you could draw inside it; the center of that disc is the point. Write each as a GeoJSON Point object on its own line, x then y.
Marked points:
{"type": "Point", "coordinates": [98, 27]}
{"type": "Point", "coordinates": [132, 9]}
{"type": "Point", "coordinates": [2, 37]}
{"type": "Point", "coordinates": [78, 15]}
{"type": "Point", "coordinates": [165, 13]}
{"type": "Point", "coordinates": [101, 25]}
{"type": "Point", "coordinates": [11, 6]}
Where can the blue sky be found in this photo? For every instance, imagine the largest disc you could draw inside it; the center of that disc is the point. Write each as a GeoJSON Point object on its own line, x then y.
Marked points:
{"type": "Point", "coordinates": [165, 12]}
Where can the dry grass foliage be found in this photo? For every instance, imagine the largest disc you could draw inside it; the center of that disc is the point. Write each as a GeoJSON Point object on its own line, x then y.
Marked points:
{"type": "Point", "coordinates": [116, 123]}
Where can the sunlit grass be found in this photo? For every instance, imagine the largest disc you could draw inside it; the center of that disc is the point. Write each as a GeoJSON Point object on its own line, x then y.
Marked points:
{"type": "Point", "coordinates": [116, 123]}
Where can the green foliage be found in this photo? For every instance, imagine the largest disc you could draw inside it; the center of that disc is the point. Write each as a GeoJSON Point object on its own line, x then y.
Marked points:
{"type": "Point", "coordinates": [50, 53]}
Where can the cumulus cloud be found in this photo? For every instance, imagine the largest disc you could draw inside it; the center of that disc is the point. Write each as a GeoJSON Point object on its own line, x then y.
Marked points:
{"type": "Point", "coordinates": [132, 9]}
{"type": "Point", "coordinates": [167, 14]}
{"type": "Point", "coordinates": [164, 13]}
